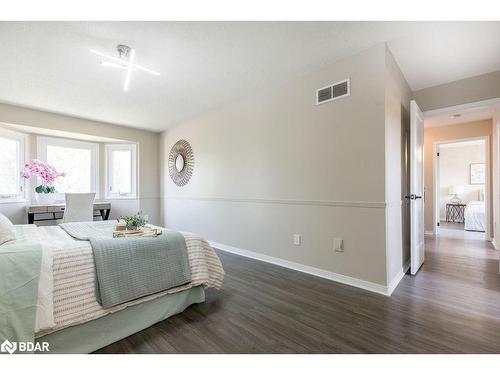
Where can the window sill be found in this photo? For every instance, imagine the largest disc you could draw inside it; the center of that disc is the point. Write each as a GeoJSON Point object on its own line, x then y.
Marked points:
{"type": "Point", "coordinates": [118, 198]}
{"type": "Point", "coordinates": [13, 201]}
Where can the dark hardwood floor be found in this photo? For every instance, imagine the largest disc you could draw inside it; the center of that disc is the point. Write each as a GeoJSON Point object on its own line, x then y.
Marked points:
{"type": "Point", "coordinates": [451, 306]}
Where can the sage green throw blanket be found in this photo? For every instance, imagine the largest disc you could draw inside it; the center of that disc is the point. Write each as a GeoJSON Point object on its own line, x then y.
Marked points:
{"type": "Point", "coordinates": [19, 273]}
{"type": "Point", "coordinates": [133, 267]}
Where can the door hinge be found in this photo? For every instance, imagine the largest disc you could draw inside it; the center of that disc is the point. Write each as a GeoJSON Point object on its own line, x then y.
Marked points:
{"type": "Point", "coordinates": [438, 223]}
{"type": "Point", "coordinates": [438, 154]}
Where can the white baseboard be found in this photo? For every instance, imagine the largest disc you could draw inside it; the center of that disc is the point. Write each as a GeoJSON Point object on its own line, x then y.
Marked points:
{"type": "Point", "coordinates": [494, 243]}
{"type": "Point", "coordinates": [397, 279]}
{"type": "Point", "coordinates": [358, 283]}
{"type": "Point", "coordinates": [429, 233]}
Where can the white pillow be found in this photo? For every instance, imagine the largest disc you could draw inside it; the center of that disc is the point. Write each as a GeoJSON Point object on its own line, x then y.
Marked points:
{"type": "Point", "coordinates": [7, 230]}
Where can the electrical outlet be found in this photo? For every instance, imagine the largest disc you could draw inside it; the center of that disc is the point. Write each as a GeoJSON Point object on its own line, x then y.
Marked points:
{"type": "Point", "coordinates": [297, 240]}
{"type": "Point", "coordinates": [338, 245]}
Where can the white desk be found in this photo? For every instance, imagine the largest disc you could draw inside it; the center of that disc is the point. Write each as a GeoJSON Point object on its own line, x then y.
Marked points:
{"type": "Point", "coordinates": [104, 209]}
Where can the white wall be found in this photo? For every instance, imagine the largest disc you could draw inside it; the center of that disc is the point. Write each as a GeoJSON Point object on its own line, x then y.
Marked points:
{"type": "Point", "coordinates": [148, 157]}
{"type": "Point", "coordinates": [275, 164]}
{"type": "Point", "coordinates": [454, 166]}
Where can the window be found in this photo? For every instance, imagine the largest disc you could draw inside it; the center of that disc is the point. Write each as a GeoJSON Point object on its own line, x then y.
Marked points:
{"type": "Point", "coordinates": [121, 171]}
{"type": "Point", "coordinates": [75, 158]}
{"type": "Point", "coordinates": [12, 145]}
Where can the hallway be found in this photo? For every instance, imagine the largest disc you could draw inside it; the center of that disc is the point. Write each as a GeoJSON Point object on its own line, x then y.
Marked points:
{"type": "Point", "coordinates": [456, 230]}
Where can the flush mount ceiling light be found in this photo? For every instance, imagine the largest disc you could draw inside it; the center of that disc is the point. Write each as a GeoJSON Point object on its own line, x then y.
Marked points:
{"type": "Point", "coordinates": [125, 61]}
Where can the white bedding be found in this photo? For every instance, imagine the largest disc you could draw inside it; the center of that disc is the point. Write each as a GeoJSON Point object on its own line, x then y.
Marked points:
{"type": "Point", "coordinates": [475, 216]}
{"type": "Point", "coordinates": [66, 292]}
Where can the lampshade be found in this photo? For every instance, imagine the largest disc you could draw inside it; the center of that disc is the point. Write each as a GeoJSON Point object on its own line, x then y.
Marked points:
{"type": "Point", "coordinates": [456, 189]}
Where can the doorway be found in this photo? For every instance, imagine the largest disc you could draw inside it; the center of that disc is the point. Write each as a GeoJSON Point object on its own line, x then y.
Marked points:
{"type": "Point", "coordinates": [464, 209]}
{"type": "Point", "coordinates": [463, 200]}
{"type": "Point", "coordinates": [461, 187]}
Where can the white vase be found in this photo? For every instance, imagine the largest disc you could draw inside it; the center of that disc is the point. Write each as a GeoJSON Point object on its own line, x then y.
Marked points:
{"type": "Point", "coordinates": [45, 198]}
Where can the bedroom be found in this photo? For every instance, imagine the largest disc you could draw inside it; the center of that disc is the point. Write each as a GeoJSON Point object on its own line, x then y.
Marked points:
{"type": "Point", "coordinates": [192, 187]}
{"type": "Point", "coordinates": [462, 202]}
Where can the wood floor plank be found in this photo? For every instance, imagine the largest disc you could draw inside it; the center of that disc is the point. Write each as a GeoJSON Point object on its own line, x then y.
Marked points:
{"type": "Point", "coordinates": [451, 306]}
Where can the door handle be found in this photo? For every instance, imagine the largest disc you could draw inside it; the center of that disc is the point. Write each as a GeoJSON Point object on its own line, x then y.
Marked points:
{"type": "Point", "coordinates": [413, 197]}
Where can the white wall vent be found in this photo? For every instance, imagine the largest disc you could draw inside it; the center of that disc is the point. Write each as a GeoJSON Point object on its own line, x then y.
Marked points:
{"type": "Point", "coordinates": [333, 92]}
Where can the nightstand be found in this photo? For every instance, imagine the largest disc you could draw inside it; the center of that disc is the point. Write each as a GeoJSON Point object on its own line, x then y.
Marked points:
{"type": "Point", "coordinates": [455, 212]}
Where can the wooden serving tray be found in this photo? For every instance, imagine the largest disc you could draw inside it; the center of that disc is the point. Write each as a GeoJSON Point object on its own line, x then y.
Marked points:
{"type": "Point", "coordinates": [135, 233]}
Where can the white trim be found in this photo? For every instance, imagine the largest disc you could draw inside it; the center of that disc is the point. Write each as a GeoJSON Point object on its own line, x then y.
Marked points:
{"type": "Point", "coordinates": [487, 189]}
{"type": "Point", "coordinates": [348, 80]}
{"type": "Point", "coordinates": [132, 147]}
{"type": "Point", "coordinates": [21, 140]}
{"type": "Point", "coordinates": [429, 233]}
{"type": "Point", "coordinates": [352, 281]}
{"type": "Point", "coordinates": [293, 202]}
{"type": "Point", "coordinates": [393, 284]}
{"type": "Point", "coordinates": [436, 216]}
{"type": "Point", "coordinates": [43, 142]}
{"type": "Point", "coordinates": [461, 107]}
{"type": "Point", "coordinates": [494, 243]}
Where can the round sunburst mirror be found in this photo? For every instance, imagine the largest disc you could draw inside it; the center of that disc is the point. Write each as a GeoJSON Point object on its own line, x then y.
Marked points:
{"type": "Point", "coordinates": [181, 162]}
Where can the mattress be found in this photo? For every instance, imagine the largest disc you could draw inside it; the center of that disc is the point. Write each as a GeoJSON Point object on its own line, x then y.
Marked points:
{"type": "Point", "coordinates": [475, 216]}
{"type": "Point", "coordinates": [67, 286]}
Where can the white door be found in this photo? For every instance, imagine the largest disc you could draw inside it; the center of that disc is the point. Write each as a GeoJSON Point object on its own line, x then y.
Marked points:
{"type": "Point", "coordinates": [416, 186]}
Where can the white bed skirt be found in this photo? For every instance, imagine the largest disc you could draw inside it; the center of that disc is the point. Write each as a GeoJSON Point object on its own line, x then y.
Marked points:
{"type": "Point", "coordinates": [475, 216]}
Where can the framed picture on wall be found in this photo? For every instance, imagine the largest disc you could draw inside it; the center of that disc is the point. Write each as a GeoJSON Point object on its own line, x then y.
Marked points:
{"type": "Point", "coordinates": [477, 173]}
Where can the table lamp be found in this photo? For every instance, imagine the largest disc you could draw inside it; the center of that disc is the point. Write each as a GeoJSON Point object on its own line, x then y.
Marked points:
{"type": "Point", "coordinates": [455, 191]}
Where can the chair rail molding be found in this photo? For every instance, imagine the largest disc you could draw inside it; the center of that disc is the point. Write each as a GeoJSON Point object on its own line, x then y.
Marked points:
{"type": "Point", "coordinates": [293, 202]}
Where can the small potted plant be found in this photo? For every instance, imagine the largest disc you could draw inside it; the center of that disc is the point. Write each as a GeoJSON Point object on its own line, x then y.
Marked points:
{"type": "Point", "coordinates": [134, 222]}
{"type": "Point", "coordinates": [45, 193]}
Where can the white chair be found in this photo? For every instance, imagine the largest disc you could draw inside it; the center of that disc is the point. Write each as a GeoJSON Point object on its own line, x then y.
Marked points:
{"type": "Point", "coordinates": [79, 207]}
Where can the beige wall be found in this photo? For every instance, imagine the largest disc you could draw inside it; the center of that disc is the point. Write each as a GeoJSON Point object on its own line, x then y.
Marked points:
{"type": "Point", "coordinates": [148, 150]}
{"type": "Point", "coordinates": [437, 134]}
{"type": "Point", "coordinates": [454, 170]}
{"type": "Point", "coordinates": [275, 164]}
{"type": "Point", "coordinates": [473, 89]}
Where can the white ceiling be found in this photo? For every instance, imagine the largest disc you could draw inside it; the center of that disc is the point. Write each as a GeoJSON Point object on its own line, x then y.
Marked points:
{"type": "Point", "coordinates": [204, 65]}
{"type": "Point", "coordinates": [461, 116]}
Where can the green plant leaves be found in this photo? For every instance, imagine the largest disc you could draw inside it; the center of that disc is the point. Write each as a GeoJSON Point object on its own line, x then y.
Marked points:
{"type": "Point", "coordinates": [134, 221]}
{"type": "Point", "coordinates": [42, 189]}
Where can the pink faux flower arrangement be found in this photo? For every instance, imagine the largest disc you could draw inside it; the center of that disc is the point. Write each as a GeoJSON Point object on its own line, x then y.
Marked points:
{"type": "Point", "coordinates": [45, 171]}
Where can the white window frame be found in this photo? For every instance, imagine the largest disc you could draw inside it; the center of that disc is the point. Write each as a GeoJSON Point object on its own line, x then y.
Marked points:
{"type": "Point", "coordinates": [22, 140]}
{"type": "Point", "coordinates": [43, 142]}
{"type": "Point", "coordinates": [110, 147]}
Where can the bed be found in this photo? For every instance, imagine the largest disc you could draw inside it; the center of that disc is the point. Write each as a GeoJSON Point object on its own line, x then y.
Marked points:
{"type": "Point", "coordinates": [475, 216]}
{"type": "Point", "coordinates": [69, 315]}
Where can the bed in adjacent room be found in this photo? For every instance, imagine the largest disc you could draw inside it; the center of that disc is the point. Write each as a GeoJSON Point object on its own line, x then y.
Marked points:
{"type": "Point", "coordinates": [475, 216]}
{"type": "Point", "coordinates": [76, 311]}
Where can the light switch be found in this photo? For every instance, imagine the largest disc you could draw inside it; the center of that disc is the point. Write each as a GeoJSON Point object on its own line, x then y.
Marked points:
{"type": "Point", "coordinates": [296, 239]}
{"type": "Point", "coordinates": [338, 244]}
